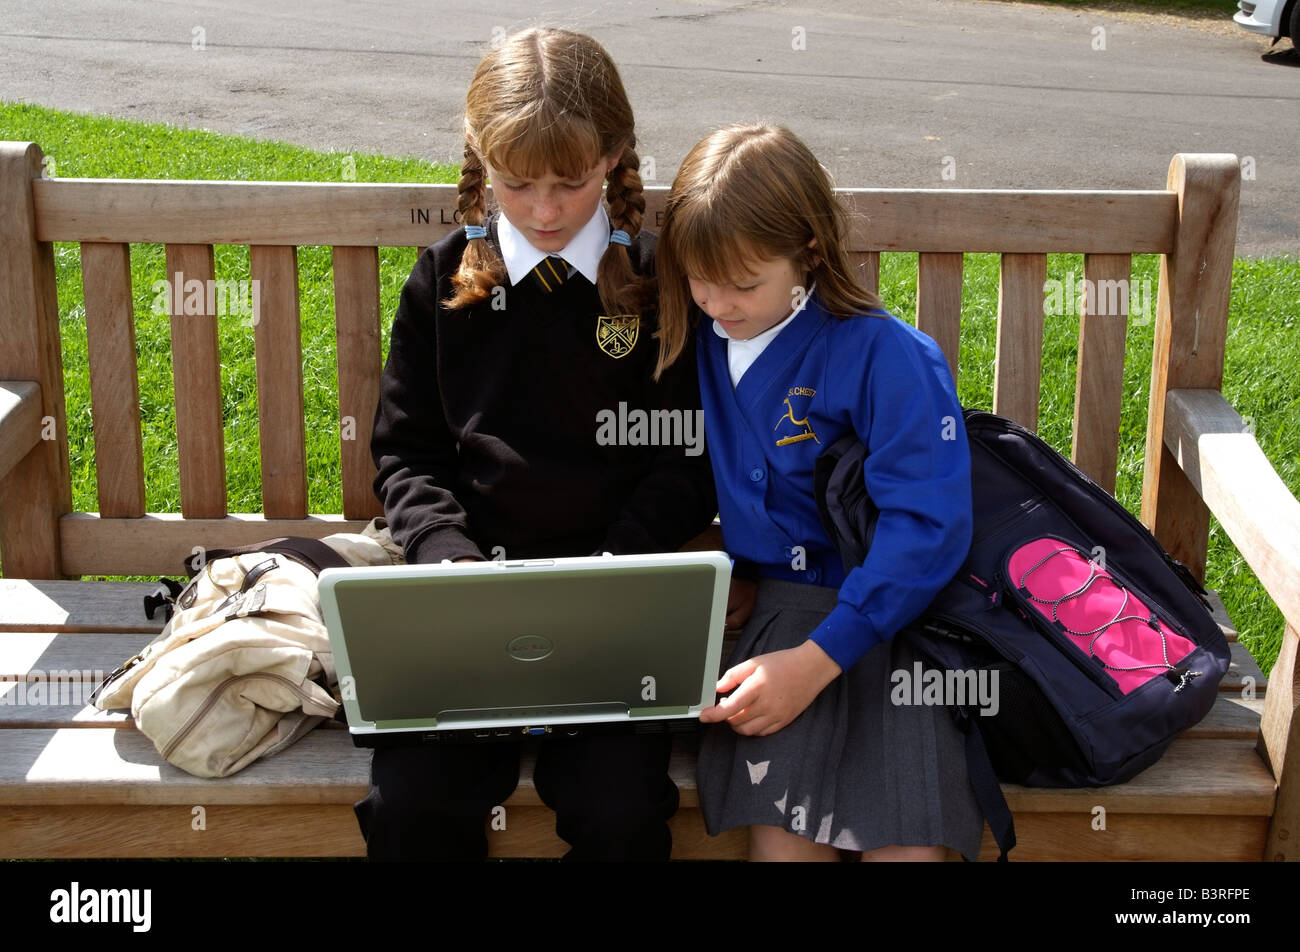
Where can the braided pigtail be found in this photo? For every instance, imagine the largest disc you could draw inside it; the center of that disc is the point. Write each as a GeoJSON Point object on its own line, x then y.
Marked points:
{"type": "Point", "coordinates": [481, 268]}
{"type": "Point", "coordinates": [622, 290]}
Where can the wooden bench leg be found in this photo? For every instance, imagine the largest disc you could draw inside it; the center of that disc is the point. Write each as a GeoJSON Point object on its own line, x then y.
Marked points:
{"type": "Point", "coordinates": [1279, 745]}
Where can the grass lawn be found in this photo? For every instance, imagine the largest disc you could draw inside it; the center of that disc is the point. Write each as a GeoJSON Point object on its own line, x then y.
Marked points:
{"type": "Point", "coordinates": [1263, 337]}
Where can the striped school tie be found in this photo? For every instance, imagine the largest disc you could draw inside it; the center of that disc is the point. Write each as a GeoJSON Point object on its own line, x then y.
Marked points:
{"type": "Point", "coordinates": [550, 273]}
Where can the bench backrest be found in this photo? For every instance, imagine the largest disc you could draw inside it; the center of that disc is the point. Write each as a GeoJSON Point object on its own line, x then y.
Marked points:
{"type": "Point", "coordinates": [1191, 223]}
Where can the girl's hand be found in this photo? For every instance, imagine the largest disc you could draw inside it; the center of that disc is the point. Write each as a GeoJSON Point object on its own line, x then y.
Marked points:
{"type": "Point", "coordinates": [740, 602]}
{"type": "Point", "coordinates": [772, 689]}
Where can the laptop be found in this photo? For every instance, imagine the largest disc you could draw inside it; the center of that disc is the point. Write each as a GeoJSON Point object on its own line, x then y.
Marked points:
{"type": "Point", "coordinates": [504, 650]}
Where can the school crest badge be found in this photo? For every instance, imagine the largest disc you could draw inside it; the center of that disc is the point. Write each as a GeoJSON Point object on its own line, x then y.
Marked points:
{"type": "Point", "coordinates": [616, 334]}
{"type": "Point", "coordinates": [792, 428]}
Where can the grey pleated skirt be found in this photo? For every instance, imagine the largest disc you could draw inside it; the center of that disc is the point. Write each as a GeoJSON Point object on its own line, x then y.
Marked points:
{"type": "Point", "coordinates": [854, 770]}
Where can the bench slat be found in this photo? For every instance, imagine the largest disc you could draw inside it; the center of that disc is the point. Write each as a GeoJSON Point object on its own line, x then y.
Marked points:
{"type": "Point", "coordinates": [196, 373]}
{"type": "Point", "coordinates": [44, 654]}
{"type": "Point", "coordinates": [114, 378]}
{"type": "Point", "coordinates": [277, 337]}
{"type": "Point", "coordinates": [1099, 376]}
{"type": "Point", "coordinates": [356, 309]}
{"type": "Point", "coordinates": [298, 213]}
{"type": "Point", "coordinates": [158, 543]}
{"type": "Point", "coordinates": [20, 421]}
{"type": "Point", "coordinates": [1070, 837]}
{"type": "Point", "coordinates": [1019, 357]}
{"type": "Point", "coordinates": [867, 264]}
{"type": "Point", "coordinates": [114, 766]}
{"type": "Point", "coordinates": [938, 302]}
{"type": "Point", "coordinates": [41, 605]}
{"type": "Point", "coordinates": [290, 831]}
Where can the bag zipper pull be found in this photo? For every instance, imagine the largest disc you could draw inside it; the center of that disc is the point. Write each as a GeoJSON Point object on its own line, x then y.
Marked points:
{"type": "Point", "coordinates": [1183, 678]}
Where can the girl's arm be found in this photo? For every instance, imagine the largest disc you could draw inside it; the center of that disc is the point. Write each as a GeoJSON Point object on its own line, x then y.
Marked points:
{"type": "Point", "coordinates": [412, 446]}
{"type": "Point", "coordinates": [918, 473]}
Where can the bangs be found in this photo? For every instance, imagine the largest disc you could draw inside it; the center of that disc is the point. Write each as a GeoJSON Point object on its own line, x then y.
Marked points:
{"type": "Point", "coordinates": [713, 246]}
{"type": "Point", "coordinates": [529, 144]}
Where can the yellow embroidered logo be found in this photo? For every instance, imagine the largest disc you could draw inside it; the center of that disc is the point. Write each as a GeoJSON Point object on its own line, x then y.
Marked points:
{"type": "Point", "coordinates": [795, 429]}
{"type": "Point", "coordinates": [616, 334]}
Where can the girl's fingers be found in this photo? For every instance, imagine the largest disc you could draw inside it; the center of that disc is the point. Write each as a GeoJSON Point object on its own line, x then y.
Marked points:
{"type": "Point", "coordinates": [734, 676]}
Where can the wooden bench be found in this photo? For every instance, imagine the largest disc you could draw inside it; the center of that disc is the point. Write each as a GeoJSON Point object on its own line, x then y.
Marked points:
{"type": "Point", "coordinates": [77, 783]}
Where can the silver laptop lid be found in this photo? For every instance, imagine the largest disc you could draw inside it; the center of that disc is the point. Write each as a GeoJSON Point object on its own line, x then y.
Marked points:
{"type": "Point", "coordinates": [506, 644]}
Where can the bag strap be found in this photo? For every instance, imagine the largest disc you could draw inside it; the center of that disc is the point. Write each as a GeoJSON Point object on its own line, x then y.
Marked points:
{"type": "Point", "coordinates": [984, 784]}
{"type": "Point", "coordinates": [312, 553]}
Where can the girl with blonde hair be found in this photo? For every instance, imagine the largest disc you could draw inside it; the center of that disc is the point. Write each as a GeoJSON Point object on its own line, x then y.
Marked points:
{"type": "Point", "coordinates": [512, 335]}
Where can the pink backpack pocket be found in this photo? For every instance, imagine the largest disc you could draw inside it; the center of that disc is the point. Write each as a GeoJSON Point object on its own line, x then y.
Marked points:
{"type": "Point", "coordinates": [1104, 619]}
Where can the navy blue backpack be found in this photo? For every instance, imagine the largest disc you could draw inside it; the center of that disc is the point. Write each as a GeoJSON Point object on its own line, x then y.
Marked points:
{"type": "Point", "coordinates": [1100, 644]}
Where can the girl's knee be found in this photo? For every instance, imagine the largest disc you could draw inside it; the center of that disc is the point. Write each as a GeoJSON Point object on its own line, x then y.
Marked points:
{"type": "Point", "coordinates": [906, 854]}
{"type": "Point", "coordinates": [768, 844]}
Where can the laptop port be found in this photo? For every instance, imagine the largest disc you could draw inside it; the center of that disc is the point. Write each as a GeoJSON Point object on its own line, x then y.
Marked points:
{"type": "Point", "coordinates": [505, 732]}
{"type": "Point", "coordinates": [482, 733]}
{"type": "Point", "coordinates": [536, 731]}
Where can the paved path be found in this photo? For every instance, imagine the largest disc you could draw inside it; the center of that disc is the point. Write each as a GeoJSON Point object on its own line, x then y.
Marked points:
{"type": "Point", "coordinates": [888, 92]}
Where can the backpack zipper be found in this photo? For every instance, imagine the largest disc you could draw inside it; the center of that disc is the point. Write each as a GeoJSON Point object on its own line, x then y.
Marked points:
{"type": "Point", "coordinates": [216, 695]}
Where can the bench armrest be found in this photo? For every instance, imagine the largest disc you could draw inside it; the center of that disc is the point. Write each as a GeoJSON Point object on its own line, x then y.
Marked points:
{"type": "Point", "coordinates": [20, 421]}
{"type": "Point", "coordinates": [1223, 461]}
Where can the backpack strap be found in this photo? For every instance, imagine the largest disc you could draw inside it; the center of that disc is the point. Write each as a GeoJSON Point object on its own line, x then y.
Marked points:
{"type": "Point", "coordinates": [984, 784]}
{"type": "Point", "coordinates": [312, 553]}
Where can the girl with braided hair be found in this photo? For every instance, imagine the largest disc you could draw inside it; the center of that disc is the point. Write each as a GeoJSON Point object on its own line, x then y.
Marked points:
{"type": "Point", "coordinates": [512, 336]}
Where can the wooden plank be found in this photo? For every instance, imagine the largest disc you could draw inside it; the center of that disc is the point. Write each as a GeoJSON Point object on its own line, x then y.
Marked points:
{"type": "Point", "coordinates": [51, 655]}
{"type": "Point", "coordinates": [292, 213]}
{"type": "Point", "coordinates": [1211, 445]}
{"type": "Point", "coordinates": [1243, 675]}
{"type": "Point", "coordinates": [159, 542]}
{"type": "Point", "coordinates": [1009, 221]}
{"type": "Point", "coordinates": [1210, 777]}
{"type": "Point", "coordinates": [196, 373]}
{"type": "Point", "coordinates": [356, 313]}
{"type": "Point", "coordinates": [109, 607]}
{"type": "Point", "coordinates": [105, 767]}
{"type": "Point", "coordinates": [938, 302]}
{"type": "Point", "coordinates": [37, 489]}
{"type": "Point", "coordinates": [33, 706]}
{"type": "Point", "coordinates": [104, 830]}
{"type": "Point", "coordinates": [20, 421]}
{"type": "Point", "coordinates": [1220, 615]}
{"type": "Point", "coordinates": [114, 379]}
{"type": "Point", "coordinates": [277, 331]}
{"type": "Point", "coordinates": [1070, 837]}
{"type": "Point", "coordinates": [290, 831]}
{"type": "Point", "coordinates": [1019, 356]}
{"type": "Point", "coordinates": [1190, 337]}
{"type": "Point", "coordinates": [1233, 717]}
{"type": "Point", "coordinates": [867, 264]}
{"type": "Point", "coordinates": [1279, 745]}
{"type": "Point", "coordinates": [1099, 375]}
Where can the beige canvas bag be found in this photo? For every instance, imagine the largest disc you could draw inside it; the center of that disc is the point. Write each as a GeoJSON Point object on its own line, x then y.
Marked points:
{"type": "Point", "coordinates": [244, 667]}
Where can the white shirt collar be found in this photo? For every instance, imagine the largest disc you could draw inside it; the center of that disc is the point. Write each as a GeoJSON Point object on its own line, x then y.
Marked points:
{"type": "Point", "coordinates": [741, 354]}
{"type": "Point", "coordinates": [583, 252]}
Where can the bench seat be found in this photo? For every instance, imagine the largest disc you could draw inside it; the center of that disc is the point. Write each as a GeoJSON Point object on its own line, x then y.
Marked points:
{"type": "Point", "coordinates": [76, 782]}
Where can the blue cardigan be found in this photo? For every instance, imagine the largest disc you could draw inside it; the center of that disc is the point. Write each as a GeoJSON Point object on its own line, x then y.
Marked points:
{"type": "Point", "coordinates": [819, 379]}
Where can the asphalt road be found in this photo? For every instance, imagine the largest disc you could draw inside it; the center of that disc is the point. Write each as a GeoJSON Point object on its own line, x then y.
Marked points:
{"type": "Point", "coordinates": [887, 92]}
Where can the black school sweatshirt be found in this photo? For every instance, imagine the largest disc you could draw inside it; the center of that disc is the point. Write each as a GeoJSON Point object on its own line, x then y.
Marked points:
{"type": "Point", "coordinates": [486, 434]}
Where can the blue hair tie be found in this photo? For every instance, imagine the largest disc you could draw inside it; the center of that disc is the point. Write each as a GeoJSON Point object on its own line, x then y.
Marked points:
{"type": "Point", "coordinates": [475, 231]}
{"type": "Point", "coordinates": [619, 237]}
